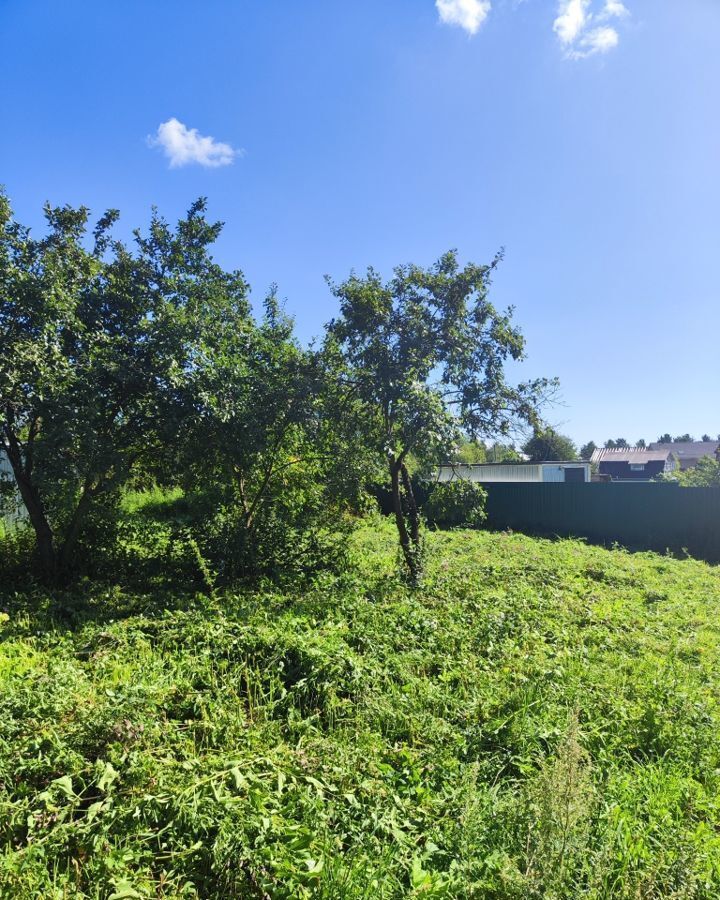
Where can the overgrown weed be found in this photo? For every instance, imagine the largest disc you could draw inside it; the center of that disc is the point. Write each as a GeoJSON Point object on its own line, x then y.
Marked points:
{"type": "Point", "coordinates": [516, 727]}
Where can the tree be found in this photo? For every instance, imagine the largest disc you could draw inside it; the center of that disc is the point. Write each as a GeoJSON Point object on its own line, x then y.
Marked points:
{"type": "Point", "coordinates": [548, 444]}
{"type": "Point", "coordinates": [474, 452]}
{"type": "Point", "coordinates": [97, 343]}
{"type": "Point", "coordinates": [264, 423]}
{"type": "Point", "coordinates": [705, 474]}
{"type": "Point", "coordinates": [425, 357]}
{"type": "Point", "coordinates": [617, 444]}
{"type": "Point", "coordinates": [587, 450]}
{"type": "Point", "coordinates": [499, 452]}
{"type": "Point", "coordinates": [469, 452]}
{"type": "Point", "coordinates": [641, 445]}
{"type": "Point", "coordinates": [684, 439]}
{"type": "Point", "coordinates": [706, 438]}
{"type": "Point", "coordinates": [665, 438]}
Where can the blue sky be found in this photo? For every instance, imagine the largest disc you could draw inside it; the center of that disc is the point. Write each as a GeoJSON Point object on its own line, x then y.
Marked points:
{"type": "Point", "coordinates": [581, 135]}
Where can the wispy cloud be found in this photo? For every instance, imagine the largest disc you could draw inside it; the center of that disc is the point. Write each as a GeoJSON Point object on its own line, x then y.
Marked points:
{"type": "Point", "coordinates": [466, 14]}
{"type": "Point", "coordinates": [184, 146]}
{"type": "Point", "coordinates": [615, 8]}
{"type": "Point", "coordinates": [583, 32]}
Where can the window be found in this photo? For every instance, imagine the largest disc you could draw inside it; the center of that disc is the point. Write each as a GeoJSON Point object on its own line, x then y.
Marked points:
{"type": "Point", "coordinates": [637, 467]}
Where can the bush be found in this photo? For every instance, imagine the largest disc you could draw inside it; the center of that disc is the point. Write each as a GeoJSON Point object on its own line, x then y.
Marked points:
{"type": "Point", "coordinates": [456, 504]}
{"type": "Point", "coordinates": [705, 474]}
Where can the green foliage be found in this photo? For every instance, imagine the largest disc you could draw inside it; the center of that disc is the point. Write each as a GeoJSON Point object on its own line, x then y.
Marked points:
{"type": "Point", "coordinates": [539, 720]}
{"type": "Point", "coordinates": [264, 448]}
{"type": "Point", "coordinates": [705, 474]}
{"type": "Point", "coordinates": [454, 504]}
{"type": "Point", "coordinates": [125, 367]}
{"type": "Point", "coordinates": [469, 452]}
{"type": "Point", "coordinates": [97, 344]}
{"type": "Point", "coordinates": [498, 452]}
{"type": "Point", "coordinates": [587, 450]}
{"type": "Point", "coordinates": [548, 444]}
{"type": "Point", "coordinates": [425, 357]}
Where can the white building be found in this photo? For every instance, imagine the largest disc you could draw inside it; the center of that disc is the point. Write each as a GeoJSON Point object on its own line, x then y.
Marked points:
{"type": "Point", "coordinates": [11, 506]}
{"type": "Point", "coordinates": [574, 471]}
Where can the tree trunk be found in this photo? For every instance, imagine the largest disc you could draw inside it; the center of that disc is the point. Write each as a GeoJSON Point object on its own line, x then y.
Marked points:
{"type": "Point", "coordinates": [409, 546]}
{"type": "Point", "coordinates": [412, 506]}
{"type": "Point", "coordinates": [44, 538]}
{"type": "Point", "coordinates": [73, 531]}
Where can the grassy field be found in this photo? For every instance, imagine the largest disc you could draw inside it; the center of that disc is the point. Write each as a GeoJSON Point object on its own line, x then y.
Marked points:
{"type": "Point", "coordinates": [541, 720]}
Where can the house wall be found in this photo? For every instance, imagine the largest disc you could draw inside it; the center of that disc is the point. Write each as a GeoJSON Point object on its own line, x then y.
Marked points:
{"type": "Point", "coordinates": [520, 472]}
{"type": "Point", "coordinates": [552, 473]}
{"type": "Point", "coordinates": [11, 508]}
{"type": "Point", "coordinates": [621, 470]}
{"type": "Point", "coordinates": [491, 473]}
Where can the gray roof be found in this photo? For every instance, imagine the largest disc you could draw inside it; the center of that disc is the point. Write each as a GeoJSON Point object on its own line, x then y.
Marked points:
{"type": "Point", "coordinates": [637, 455]}
{"type": "Point", "coordinates": [689, 450]}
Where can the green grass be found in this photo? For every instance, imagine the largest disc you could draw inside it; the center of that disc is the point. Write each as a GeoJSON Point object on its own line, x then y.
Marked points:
{"type": "Point", "coordinates": [541, 720]}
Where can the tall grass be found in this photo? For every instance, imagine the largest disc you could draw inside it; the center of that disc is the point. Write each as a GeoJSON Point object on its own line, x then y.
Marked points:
{"type": "Point", "coordinates": [541, 720]}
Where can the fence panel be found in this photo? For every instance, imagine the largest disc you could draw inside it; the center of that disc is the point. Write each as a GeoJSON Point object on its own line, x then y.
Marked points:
{"type": "Point", "coordinates": [638, 516]}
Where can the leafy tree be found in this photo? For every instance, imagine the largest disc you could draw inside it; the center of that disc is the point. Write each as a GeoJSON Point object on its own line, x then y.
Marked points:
{"type": "Point", "coordinates": [617, 444]}
{"type": "Point", "coordinates": [587, 450]}
{"type": "Point", "coordinates": [665, 438]}
{"type": "Point", "coordinates": [548, 444]}
{"type": "Point", "coordinates": [684, 439]}
{"type": "Point", "coordinates": [499, 452]}
{"type": "Point", "coordinates": [706, 438]}
{"type": "Point", "coordinates": [263, 427]}
{"type": "Point", "coordinates": [705, 474]}
{"type": "Point", "coordinates": [97, 342]}
{"type": "Point", "coordinates": [470, 453]}
{"type": "Point", "coordinates": [425, 356]}
{"type": "Point", "coordinates": [475, 452]}
{"type": "Point", "coordinates": [641, 444]}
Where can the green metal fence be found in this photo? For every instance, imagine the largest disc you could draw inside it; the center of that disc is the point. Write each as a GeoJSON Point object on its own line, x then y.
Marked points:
{"type": "Point", "coordinates": [638, 516]}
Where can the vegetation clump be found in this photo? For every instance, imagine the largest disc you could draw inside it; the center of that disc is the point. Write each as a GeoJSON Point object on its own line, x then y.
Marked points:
{"type": "Point", "coordinates": [539, 719]}
{"type": "Point", "coordinates": [455, 504]}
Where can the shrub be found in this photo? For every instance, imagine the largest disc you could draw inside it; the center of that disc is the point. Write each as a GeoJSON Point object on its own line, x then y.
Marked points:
{"type": "Point", "coordinates": [456, 504]}
{"type": "Point", "coordinates": [301, 527]}
{"type": "Point", "coordinates": [705, 474]}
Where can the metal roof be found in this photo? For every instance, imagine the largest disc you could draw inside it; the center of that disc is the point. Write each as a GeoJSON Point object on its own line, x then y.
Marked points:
{"type": "Point", "coordinates": [637, 455]}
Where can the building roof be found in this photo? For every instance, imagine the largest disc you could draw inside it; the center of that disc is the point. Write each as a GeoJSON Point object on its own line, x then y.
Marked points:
{"type": "Point", "coordinates": [637, 455]}
{"type": "Point", "coordinates": [518, 464]}
{"type": "Point", "coordinates": [689, 450]}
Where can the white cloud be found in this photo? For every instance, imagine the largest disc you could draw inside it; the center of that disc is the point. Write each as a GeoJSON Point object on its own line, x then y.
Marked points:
{"type": "Point", "coordinates": [615, 8]}
{"type": "Point", "coordinates": [579, 31]}
{"type": "Point", "coordinates": [183, 146]}
{"type": "Point", "coordinates": [467, 14]}
{"type": "Point", "coordinates": [600, 40]}
{"type": "Point", "coordinates": [571, 20]}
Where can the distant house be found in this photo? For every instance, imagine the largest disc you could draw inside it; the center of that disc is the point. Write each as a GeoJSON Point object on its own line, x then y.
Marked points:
{"type": "Point", "coordinates": [11, 508]}
{"type": "Point", "coordinates": [633, 463]}
{"type": "Point", "coordinates": [558, 472]}
{"type": "Point", "coordinates": [689, 454]}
